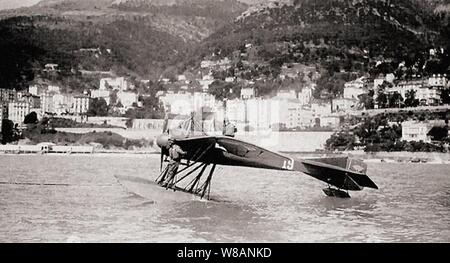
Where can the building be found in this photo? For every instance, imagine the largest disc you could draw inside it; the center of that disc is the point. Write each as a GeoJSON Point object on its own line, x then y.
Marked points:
{"type": "Point", "coordinates": [203, 100]}
{"type": "Point", "coordinates": [286, 94]}
{"type": "Point", "coordinates": [17, 111]}
{"type": "Point", "coordinates": [354, 88]}
{"type": "Point", "coordinates": [101, 94]}
{"type": "Point", "coordinates": [62, 103]}
{"type": "Point", "coordinates": [54, 89]}
{"type": "Point", "coordinates": [321, 109]}
{"type": "Point", "coordinates": [298, 116]}
{"type": "Point", "coordinates": [425, 93]}
{"type": "Point", "coordinates": [344, 104]}
{"type": "Point", "coordinates": [330, 121]}
{"type": "Point", "coordinates": [35, 90]}
{"type": "Point", "coordinates": [178, 103]}
{"type": "Point", "coordinates": [222, 64]}
{"type": "Point", "coordinates": [247, 93]}
{"type": "Point", "coordinates": [305, 95]}
{"type": "Point", "coordinates": [418, 131]}
{"type": "Point", "coordinates": [46, 101]}
{"type": "Point", "coordinates": [127, 99]}
{"type": "Point", "coordinates": [438, 81]}
{"type": "Point", "coordinates": [81, 104]}
{"type": "Point", "coordinates": [51, 67]}
{"type": "Point", "coordinates": [33, 100]}
{"type": "Point", "coordinates": [8, 95]}
{"type": "Point", "coordinates": [206, 81]}
{"type": "Point", "coordinates": [119, 83]}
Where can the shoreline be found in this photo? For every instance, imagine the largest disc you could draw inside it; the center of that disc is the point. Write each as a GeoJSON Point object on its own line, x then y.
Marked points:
{"type": "Point", "coordinates": [378, 157]}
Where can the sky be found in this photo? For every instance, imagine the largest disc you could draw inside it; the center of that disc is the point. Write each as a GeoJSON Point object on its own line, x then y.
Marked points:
{"type": "Point", "coordinates": [8, 4]}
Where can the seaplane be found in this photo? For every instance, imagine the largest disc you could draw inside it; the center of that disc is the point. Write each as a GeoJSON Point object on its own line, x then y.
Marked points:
{"type": "Point", "coordinates": [341, 174]}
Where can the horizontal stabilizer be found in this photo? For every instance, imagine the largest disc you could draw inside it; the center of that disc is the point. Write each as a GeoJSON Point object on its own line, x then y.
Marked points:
{"type": "Point", "coordinates": [343, 172]}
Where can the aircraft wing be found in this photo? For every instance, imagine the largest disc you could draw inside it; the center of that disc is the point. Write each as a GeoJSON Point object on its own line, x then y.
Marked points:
{"type": "Point", "coordinates": [342, 172]}
{"type": "Point", "coordinates": [230, 151]}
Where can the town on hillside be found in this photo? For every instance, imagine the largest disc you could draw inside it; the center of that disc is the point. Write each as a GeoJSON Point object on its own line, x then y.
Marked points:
{"type": "Point", "coordinates": [222, 86]}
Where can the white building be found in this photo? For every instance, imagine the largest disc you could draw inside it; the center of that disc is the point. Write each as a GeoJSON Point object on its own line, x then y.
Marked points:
{"type": "Point", "coordinates": [298, 116]}
{"type": "Point", "coordinates": [62, 103]}
{"type": "Point", "coordinates": [17, 111]}
{"type": "Point", "coordinates": [127, 99]}
{"type": "Point", "coordinates": [178, 103]}
{"type": "Point", "coordinates": [206, 81]}
{"type": "Point", "coordinates": [344, 104]}
{"type": "Point", "coordinates": [330, 121]}
{"type": "Point", "coordinates": [47, 104]}
{"type": "Point", "coordinates": [321, 109]}
{"type": "Point", "coordinates": [354, 88]}
{"type": "Point", "coordinates": [287, 94]}
{"type": "Point", "coordinates": [81, 104]}
{"type": "Point", "coordinates": [247, 93]}
{"type": "Point", "coordinates": [439, 81]}
{"type": "Point", "coordinates": [305, 95]}
{"type": "Point", "coordinates": [222, 64]}
{"type": "Point", "coordinates": [202, 99]}
{"type": "Point", "coordinates": [119, 83]}
{"type": "Point", "coordinates": [418, 131]}
{"type": "Point", "coordinates": [423, 92]}
{"type": "Point", "coordinates": [54, 89]}
{"type": "Point", "coordinates": [101, 93]}
{"type": "Point", "coordinates": [35, 90]}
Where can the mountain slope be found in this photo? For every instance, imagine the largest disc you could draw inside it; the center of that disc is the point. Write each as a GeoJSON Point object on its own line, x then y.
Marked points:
{"type": "Point", "coordinates": [338, 37]}
{"type": "Point", "coordinates": [132, 37]}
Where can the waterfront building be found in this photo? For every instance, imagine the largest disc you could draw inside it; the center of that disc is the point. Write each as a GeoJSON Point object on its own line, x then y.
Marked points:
{"type": "Point", "coordinates": [46, 101]}
{"type": "Point", "coordinates": [127, 99]}
{"type": "Point", "coordinates": [101, 94]}
{"type": "Point", "coordinates": [177, 103]}
{"type": "Point", "coordinates": [81, 104]}
{"type": "Point", "coordinates": [62, 103]}
{"type": "Point", "coordinates": [419, 130]}
{"type": "Point", "coordinates": [17, 111]}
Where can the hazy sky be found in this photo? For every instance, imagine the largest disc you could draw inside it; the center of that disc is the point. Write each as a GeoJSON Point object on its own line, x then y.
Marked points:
{"type": "Point", "coordinates": [8, 4]}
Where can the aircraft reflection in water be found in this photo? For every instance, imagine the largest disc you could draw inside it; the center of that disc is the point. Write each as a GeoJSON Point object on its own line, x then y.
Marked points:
{"type": "Point", "coordinates": [202, 151]}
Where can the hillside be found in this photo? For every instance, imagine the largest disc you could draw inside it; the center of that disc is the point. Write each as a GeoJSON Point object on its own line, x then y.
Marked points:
{"type": "Point", "coordinates": [131, 37]}
{"type": "Point", "coordinates": [337, 37]}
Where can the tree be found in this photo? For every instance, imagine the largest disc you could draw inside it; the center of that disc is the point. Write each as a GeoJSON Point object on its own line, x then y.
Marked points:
{"type": "Point", "coordinates": [367, 100]}
{"type": "Point", "coordinates": [31, 118]}
{"type": "Point", "coordinates": [395, 100]}
{"type": "Point", "coordinates": [341, 140]}
{"type": "Point", "coordinates": [222, 90]}
{"type": "Point", "coordinates": [7, 131]}
{"type": "Point", "coordinates": [98, 107]}
{"type": "Point", "coordinates": [382, 98]}
{"type": "Point", "coordinates": [445, 96]}
{"type": "Point", "coordinates": [410, 100]}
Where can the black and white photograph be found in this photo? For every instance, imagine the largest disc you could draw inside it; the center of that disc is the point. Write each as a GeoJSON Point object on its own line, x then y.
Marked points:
{"type": "Point", "coordinates": [224, 121]}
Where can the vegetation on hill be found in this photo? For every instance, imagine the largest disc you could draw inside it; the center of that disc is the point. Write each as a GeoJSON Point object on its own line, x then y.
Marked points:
{"type": "Point", "coordinates": [132, 38]}
{"type": "Point", "coordinates": [339, 38]}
